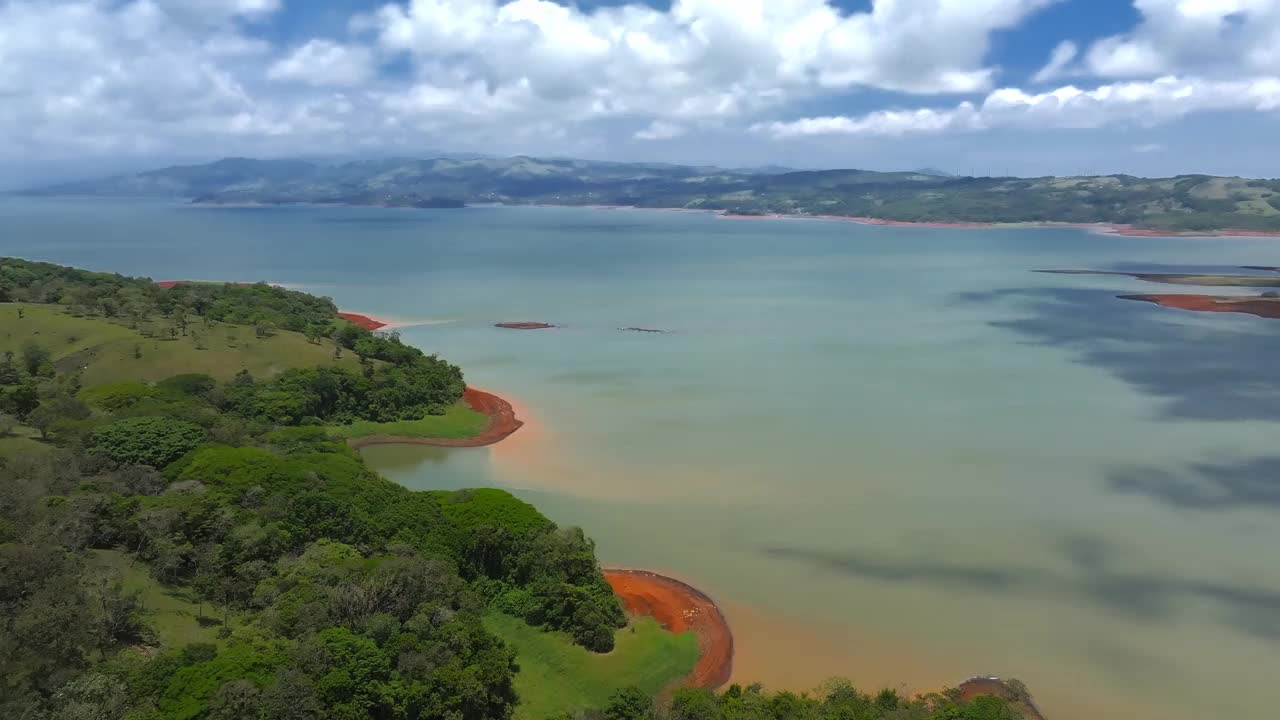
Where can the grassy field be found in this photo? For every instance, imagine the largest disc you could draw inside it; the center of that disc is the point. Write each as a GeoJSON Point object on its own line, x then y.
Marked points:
{"type": "Point", "coordinates": [14, 444]}
{"type": "Point", "coordinates": [557, 676]}
{"type": "Point", "coordinates": [170, 611]}
{"type": "Point", "coordinates": [459, 421]}
{"type": "Point", "coordinates": [111, 352]}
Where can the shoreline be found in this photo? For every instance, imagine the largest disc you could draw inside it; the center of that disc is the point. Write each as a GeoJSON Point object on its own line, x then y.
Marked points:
{"type": "Point", "coordinates": [679, 607]}
{"type": "Point", "coordinates": [1099, 228]}
{"type": "Point", "coordinates": [369, 322]}
{"type": "Point", "coordinates": [502, 424]}
{"type": "Point", "coordinates": [993, 686]}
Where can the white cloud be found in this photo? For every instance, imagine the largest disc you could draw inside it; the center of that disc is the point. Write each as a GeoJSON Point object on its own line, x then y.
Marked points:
{"type": "Point", "coordinates": [324, 62]}
{"type": "Point", "coordinates": [660, 130]}
{"type": "Point", "coordinates": [1217, 38]}
{"type": "Point", "coordinates": [1143, 103]}
{"type": "Point", "coordinates": [1061, 57]}
{"type": "Point", "coordinates": [143, 75]}
{"type": "Point", "coordinates": [135, 78]}
{"type": "Point", "coordinates": [702, 58]}
{"type": "Point", "coordinates": [119, 77]}
{"type": "Point", "coordinates": [1148, 148]}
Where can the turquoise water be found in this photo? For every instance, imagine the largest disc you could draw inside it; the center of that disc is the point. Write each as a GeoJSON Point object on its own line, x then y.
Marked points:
{"type": "Point", "coordinates": [893, 454]}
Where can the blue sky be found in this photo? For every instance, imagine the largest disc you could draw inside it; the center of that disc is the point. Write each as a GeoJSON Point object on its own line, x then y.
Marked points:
{"type": "Point", "coordinates": [1150, 87]}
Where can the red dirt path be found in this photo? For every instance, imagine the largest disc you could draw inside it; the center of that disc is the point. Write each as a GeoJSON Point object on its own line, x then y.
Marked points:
{"type": "Point", "coordinates": [1266, 308]}
{"type": "Point", "coordinates": [502, 422]}
{"type": "Point", "coordinates": [680, 608]}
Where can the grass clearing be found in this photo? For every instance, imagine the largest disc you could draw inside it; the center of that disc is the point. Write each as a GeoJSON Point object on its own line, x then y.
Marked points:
{"type": "Point", "coordinates": [108, 351]}
{"type": "Point", "coordinates": [459, 421]}
{"type": "Point", "coordinates": [171, 612]}
{"type": "Point", "coordinates": [13, 445]}
{"type": "Point", "coordinates": [557, 676]}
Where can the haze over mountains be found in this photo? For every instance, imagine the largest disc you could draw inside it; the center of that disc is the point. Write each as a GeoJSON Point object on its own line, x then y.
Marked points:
{"type": "Point", "coordinates": [1181, 203]}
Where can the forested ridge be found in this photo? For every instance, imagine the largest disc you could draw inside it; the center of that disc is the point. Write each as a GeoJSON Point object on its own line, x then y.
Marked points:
{"type": "Point", "coordinates": [1190, 203]}
{"type": "Point", "coordinates": [305, 585]}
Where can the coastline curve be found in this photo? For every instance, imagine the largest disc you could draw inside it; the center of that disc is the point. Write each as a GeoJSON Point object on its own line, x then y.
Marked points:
{"type": "Point", "coordinates": [502, 423]}
{"type": "Point", "coordinates": [680, 607]}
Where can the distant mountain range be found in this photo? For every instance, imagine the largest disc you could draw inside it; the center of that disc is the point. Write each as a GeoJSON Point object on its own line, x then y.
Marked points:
{"type": "Point", "coordinates": [1182, 203]}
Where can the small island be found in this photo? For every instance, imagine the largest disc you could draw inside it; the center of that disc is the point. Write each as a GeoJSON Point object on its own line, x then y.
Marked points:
{"type": "Point", "coordinates": [524, 325]}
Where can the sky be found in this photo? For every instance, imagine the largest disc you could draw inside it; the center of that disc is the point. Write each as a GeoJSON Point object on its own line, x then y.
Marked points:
{"type": "Point", "coordinates": [983, 87]}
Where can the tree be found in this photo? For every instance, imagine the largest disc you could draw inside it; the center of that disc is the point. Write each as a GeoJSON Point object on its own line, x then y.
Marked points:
{"type": "Point", "coordinates": [693, 704]}
{"type": "Point", "coordinates": [629, 703]}
{"type": "Point", "coordinates": [290, 697]}
{"type": "Point", "coordinates": [9, 374]}
{"type": "Point", "coordinates": [236, 700]}
{"type": "Point", "coordinates": [35, 358]}
{"type": "Point", "coordinates": [22, 400]}
{"type": "Point", "coordinates": [43, 419]}
{"type": "Point", "coordinates": [119, 617]}
{"type": "Point", "coordinates": [348, 335]}
{"type": "Point", "coordinates": [55, 410]}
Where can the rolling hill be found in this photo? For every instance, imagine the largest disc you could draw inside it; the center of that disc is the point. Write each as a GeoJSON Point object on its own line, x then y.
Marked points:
{"type": "Point", "coordinates": [1185, 203]}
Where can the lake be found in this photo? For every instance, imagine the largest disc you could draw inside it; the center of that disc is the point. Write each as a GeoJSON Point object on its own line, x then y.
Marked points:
{"type": "Point", "coordinates": [893, 454]}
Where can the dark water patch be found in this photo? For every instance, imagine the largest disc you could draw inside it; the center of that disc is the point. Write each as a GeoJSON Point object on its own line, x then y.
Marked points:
{"type": "Point", "coordinates": [922, 571]}
{"type": "Point", "coordinates": [1096, 577]}
{"type": "Point", "coordinates": [1206, 367]}
{"type": "Point", "coordinates": [1251, 483]}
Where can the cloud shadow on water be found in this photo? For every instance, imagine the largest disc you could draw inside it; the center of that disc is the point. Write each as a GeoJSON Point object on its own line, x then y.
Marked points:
{"type": "Point", "coordinates": [1205, 366]}
{"type": "Point", "coordinates": [1093, 577]}
{"type": "Point", "coordinates": [1206, 486]}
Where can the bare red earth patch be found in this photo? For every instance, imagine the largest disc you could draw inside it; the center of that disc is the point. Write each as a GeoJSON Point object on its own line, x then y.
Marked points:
{"type": "Point", "coordinates": [1261, 307]}
{"type": "Point", "coordinates": [502, 422]}
{"type": "Point", "coordinates": [680, 608]}
{"type": "Point", "coordinates": [363, 321]}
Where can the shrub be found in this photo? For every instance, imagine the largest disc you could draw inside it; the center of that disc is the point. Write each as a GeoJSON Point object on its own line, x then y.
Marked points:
{"type": "Point", "coordinates": [195, 384]}
{"type": "Point", "coordinates": [155, 441]}
{"type": "Point", "coordinates": [118, 396]}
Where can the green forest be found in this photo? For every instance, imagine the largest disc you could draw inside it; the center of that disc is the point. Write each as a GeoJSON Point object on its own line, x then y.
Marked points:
{"type": "Point", "coordinates": [201, 545]}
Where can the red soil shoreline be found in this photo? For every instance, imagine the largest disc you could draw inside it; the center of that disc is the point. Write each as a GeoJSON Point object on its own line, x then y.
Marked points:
{"type": "Point", "coordinates": [982, 686]}
{"type": "Point", "coordinates": [502, 423]}
{"type": "Point", "coordinates": [1264, 308]}
{"type": "Point", "coordinates": [364, 321]}
{"type": "Point", "coordinates": [679, 607]}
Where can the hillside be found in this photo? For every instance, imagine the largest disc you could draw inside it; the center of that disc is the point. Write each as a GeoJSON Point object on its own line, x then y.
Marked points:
{"type": "Point", "coordinates": [1196, 203]}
